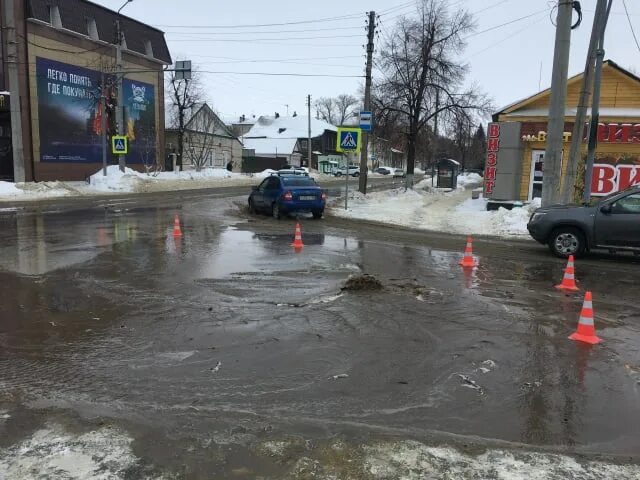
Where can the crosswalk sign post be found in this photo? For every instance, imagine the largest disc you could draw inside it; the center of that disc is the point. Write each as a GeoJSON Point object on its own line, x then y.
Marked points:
{"type": "Point", "coordinates": [119, 145]}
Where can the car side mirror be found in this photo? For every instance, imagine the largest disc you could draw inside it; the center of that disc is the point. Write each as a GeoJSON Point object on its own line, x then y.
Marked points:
{"type": "Point", "coordinates": [606, 209]}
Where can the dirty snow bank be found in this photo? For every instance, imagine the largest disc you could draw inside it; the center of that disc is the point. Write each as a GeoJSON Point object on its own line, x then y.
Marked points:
{"type": "Point", "coordinates": [33, 190]}
{"type": "Point", "coordinates": [438, 210]}
{"type": "Point", "coordinates": [54, 453]}
{"type": "Point", "coordinates": [415, 461]}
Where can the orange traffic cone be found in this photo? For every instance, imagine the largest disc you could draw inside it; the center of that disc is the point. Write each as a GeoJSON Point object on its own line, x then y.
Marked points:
{"type": "Point", "coordinates": [468, 260]}
{"type": "Point", "coordinates": [297, 241]}
{"type": "Point", "coordinates": [177, 232]}
{"type": "Point", "coordinates": [586, 331]}
{"type": "Point", "coordinates": [569, 280]}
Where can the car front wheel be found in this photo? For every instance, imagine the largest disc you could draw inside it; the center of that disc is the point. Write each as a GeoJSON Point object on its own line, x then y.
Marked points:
{"type": "Point", "coordinates": [338, 174]}
{"type": "Point", "coordinates": [252, 207]}
{"type": "Point", "coordinates": [565, 241]}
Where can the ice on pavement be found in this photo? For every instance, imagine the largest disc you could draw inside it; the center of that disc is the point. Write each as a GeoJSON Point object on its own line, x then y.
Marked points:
{"type": "Point", "coordinates": [414, 461]}
{"type": "Point", "coordinates": [52, 452]}
{"type": "Point", "coordinates": [424, 207]}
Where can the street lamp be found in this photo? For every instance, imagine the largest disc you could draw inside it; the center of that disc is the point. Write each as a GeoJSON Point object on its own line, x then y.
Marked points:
{"type": "Point", "coordinates": [119, 68]}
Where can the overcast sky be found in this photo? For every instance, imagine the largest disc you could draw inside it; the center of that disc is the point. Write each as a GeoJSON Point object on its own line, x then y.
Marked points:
{"type": "Point", "coordinates": [505, 62]}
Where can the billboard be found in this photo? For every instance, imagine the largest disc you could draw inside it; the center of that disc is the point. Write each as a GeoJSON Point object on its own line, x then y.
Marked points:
{"type": "Point", "coordinates": [69, 114]}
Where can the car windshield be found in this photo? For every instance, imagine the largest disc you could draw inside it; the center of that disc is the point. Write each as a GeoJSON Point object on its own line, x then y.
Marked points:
{"type": "Point", "coordinates": [298, 182]}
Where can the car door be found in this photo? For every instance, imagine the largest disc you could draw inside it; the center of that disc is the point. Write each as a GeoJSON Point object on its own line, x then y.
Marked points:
{"type": "Point", "coordinates": [618, 223]}
{"type": "Point", "coordinates": [258, 195]}
{"type": "Point", "coordinates": [272, 192]}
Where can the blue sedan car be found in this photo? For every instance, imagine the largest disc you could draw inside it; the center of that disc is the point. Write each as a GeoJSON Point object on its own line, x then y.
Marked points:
{"type": "Point", "coordinates": [280, 195]}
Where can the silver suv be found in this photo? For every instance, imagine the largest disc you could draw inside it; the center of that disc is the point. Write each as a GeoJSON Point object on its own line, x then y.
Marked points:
{"type": "Point", "coordinates": [354, 171]}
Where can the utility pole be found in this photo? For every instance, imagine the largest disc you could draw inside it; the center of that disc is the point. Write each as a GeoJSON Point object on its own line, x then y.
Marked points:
{"type": "Point", "coordinates": [435, 138]}
{"type": "Point", "coordinates": [14, 92]}
{"type": "Point", "coordinates": [575, 153]}
{"type": "Point", "coordinates": [120, 116]}
{"type": "Point", "coordinates": [595, 109]}
{"type": "Point", "coordinates": [310, 152]}
{"type": "Point", "coordinates": [555, 128]}
{"type": "Point", "coordinates": [103, 122]}
{"type": "Point", "coordinates": [364, 153]}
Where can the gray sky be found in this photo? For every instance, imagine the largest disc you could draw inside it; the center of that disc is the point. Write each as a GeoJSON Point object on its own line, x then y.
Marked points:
{"type": "Point", "coordinates": [505, 62]}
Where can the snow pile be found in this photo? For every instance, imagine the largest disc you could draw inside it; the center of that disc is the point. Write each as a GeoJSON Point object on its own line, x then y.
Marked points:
{"type": "Point", "coordinates": [266, 173]}
{"type": "Point", "coordinates": [193, 174]}
{"type": "Point", "coordinates": [115, 180]}
{"type": "Point", "coordinates": [54, 453]}
{"type": "Point", "coordinates": [436, 210]}
{"type": "Point", "coordinates": [465, 179]}
{"type": "Point", "coordinates": [9, 189]}
{"type": "Point", "coordinates": [412, 460]}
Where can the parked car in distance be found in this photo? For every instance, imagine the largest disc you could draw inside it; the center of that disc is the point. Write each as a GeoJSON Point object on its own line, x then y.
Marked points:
{"type": "Point", "coordinates": [612, 224]}
{"type": "Point", "coordinates": [283, 194]}
{"type": "Point", "coordinates": [294, 171]}
{"type": "Point", "coordinates": [354, 171]}
{"type": "Point", "coordinates": [399, 173]}
{"type": "Point", "coordinates": [384, 170]}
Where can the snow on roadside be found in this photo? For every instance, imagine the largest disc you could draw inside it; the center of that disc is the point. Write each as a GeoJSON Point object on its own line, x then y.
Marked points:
{"type": "Point", "coordinates": [438, 210]}
{"type": "Point", "coordinates": [9, 189]}
{"type": "Point", "coordinates": [52, 452]}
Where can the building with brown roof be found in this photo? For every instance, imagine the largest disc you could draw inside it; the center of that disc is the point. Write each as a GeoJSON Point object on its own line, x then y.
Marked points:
{"type": "Point", "coordinates": [64, 49]}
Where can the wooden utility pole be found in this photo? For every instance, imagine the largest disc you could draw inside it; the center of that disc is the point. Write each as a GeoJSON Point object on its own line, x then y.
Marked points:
{"type": "Point", "coordinates": [14, 91]}
{"type": "Point", "coordinates": [568, 183]}
{"type": "Point", "coordinates": [555, 128]}
{"type": "Point", "coordinates": [364, 153]}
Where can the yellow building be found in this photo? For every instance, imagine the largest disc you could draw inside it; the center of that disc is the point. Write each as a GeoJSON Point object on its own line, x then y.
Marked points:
{"type": "Point", "coordinates": [517, 139]}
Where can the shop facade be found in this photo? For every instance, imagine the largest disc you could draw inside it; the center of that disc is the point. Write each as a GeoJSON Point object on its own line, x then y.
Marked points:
{"type": "Point", "coordinates": [516, 140]}
{"type": "Point", "coordinates": [67, 62]}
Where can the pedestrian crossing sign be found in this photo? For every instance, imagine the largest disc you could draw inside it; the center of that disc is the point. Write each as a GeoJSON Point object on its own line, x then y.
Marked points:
{"type": "Point", "coordinates": [349, 140]}
{"type": "Point", "coordinates": [119, 145]}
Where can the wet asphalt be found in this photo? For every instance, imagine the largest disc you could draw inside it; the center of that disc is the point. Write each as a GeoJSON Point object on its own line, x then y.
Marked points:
{"type": "Point", "coordinates": [204, 347]}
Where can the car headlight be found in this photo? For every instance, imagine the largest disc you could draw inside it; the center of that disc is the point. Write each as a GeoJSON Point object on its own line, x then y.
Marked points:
{"type": "Point", "coordinates": [537, 216]}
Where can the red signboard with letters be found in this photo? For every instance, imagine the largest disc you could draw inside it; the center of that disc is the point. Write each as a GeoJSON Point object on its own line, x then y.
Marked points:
{"type": "Point", "coordinates": [493, 146]}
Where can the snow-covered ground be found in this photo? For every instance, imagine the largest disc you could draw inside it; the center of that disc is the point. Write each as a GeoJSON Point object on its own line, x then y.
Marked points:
{"type": "Point", "coordinates": [434, 209]}
{"type": "Point", "coordinates": [131, 181]}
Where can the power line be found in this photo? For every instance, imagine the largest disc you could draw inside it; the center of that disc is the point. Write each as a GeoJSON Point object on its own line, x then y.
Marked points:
{"type": "Point", "coordinates": [495, 27]}
{"type": "Point", "coordinates": [283, 74]}
{"type": "Point", "coordinates": [624, 3]}
{"type": "Point", "coordinates": [267, 32]}
{"type": "Point", "coordinates": [242, 40]}
{"type": "Point", "coordinates": [284, 60]}
{"type": "Point", "coordinates": [301, 22]}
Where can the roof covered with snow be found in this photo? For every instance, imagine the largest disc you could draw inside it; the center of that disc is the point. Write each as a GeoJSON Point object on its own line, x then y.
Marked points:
{"type": "Point", "coordinates": [287, 127]}
{"type": "Point", "coordinates": [284, 146]}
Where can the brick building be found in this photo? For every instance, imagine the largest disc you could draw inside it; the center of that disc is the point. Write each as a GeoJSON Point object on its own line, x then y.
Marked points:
{"type": "Point", "coordinates": [64, 48]}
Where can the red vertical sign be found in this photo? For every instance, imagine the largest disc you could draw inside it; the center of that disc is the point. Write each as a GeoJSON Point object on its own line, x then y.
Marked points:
{"type": "Point", "coordinates": [493, 146]}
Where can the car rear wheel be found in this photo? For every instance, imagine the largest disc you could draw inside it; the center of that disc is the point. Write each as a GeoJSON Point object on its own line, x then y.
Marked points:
{"type": "Point", "coordinates": [275, 211]}
{"type": "Point", "coordinates": [565, 241]}
{"type": "Point", "coordinates": [338, 174]}
{"type": "Point", "coordinates": [356, 174]}
{"type": "Point", "coordinates": [317, 213]}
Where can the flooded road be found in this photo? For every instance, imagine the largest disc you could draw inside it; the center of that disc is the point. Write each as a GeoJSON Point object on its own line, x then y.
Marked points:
{"type": "Point", "coordinates": [127, 353]}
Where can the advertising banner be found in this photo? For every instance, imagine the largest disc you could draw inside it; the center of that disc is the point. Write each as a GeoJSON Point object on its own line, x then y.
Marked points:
{"type": "Point", "coordinates": [69, 114]}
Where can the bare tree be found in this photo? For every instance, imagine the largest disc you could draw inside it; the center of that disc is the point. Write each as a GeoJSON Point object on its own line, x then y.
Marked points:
{"type": "Point", "coordinates": [199, 137]}
{"type": "Point", "coordinates": [183, 97]}
{"type": "Point", "coordinates": [422, 76]}
{"type": "Point", "coordinates": [337, 110]}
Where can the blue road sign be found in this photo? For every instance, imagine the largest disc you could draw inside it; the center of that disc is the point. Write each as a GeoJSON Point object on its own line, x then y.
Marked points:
{"type": "Point", "coordinates": [119, 145]}
{"type": "Point", "coordinates": [349, 140]}
{"type": "Point", "coordinates": [366, 121]}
